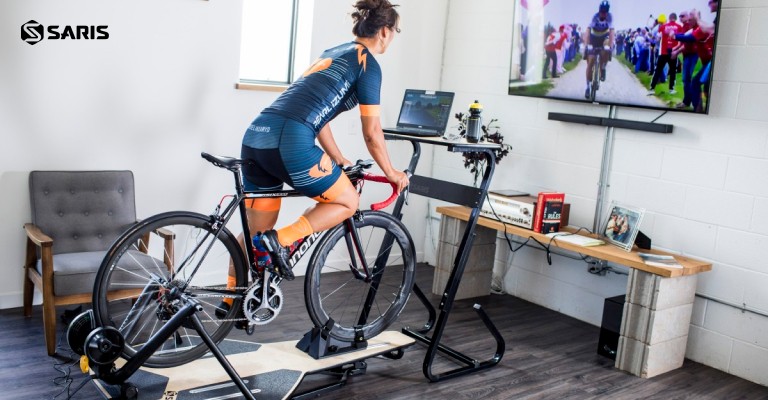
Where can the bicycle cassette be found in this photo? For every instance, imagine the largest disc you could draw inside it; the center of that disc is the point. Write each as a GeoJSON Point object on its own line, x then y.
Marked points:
{"type": "Point", "coordinates": [256, 309]}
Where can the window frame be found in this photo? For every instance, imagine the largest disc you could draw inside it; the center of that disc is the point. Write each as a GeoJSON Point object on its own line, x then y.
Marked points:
{"type": "Point", "coordinates": [273, 85]}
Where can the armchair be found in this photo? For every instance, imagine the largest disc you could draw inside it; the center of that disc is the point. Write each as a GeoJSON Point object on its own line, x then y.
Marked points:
{"type": "Point", "coordinates": [76, 215]}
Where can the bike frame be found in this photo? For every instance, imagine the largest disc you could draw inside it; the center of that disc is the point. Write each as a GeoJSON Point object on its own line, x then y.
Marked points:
{"type": "Point", "coordinates": [595, 58]}
{"type": "Point", "coordinates": [219, 220]}
{"type": "Point", "coordinates": [238, 202]}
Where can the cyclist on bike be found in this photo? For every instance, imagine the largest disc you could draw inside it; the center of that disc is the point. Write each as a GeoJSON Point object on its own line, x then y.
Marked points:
{"type": "Point", "coordinates": [281, 140]}
{"type": "Point", "coordinates": [598, 39]}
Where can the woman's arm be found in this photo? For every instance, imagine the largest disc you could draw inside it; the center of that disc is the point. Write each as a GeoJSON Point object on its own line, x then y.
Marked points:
{"type": "Point", "coordinates": [377, 146]}
{"type": "Point", "coordinates": [327, 142]}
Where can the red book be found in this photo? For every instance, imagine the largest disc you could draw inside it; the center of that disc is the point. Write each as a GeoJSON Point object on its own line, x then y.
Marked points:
{"type": "Point", "coordinates": [547, 204]}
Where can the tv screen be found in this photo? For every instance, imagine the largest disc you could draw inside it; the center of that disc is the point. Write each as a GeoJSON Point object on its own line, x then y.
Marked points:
{"type": "Point", "coordinates": [656, 54]}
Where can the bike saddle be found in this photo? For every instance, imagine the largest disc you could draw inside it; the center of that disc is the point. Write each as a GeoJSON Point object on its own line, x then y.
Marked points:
{"type": "Point", "coordinates": [229, 163]}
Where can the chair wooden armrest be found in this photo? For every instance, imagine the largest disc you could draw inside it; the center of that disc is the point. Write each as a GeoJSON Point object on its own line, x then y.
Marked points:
{"type": "Point", "coordinates": [168, 255]}
{"type": "Point", "coordinates": [37, 236]}
{"type": "Point", "coordinates": [165, 233]}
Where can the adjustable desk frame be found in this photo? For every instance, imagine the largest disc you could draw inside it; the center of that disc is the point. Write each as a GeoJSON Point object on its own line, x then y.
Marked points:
{"type": "Point", "coordinates": [466, 196]}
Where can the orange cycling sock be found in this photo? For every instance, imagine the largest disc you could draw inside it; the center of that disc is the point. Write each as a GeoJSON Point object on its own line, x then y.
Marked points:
{"type": "Point", "coordinates": [230, 284]}
{"type": "Point", "coordinates": [294, 232]}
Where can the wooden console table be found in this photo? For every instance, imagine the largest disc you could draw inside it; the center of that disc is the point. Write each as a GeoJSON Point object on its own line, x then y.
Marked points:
{"type": "Point", "coordinates": [659, 300]}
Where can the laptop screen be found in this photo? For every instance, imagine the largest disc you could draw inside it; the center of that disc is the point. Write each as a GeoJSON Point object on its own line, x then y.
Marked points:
{"type": "Point", "coordinates": [423, 109]}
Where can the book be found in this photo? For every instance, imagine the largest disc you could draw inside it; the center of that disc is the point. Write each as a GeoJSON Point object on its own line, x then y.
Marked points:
{"type": "Point", "coordinates": [553, 210]}
{"type": "Point", "coordinates": [659, 260]}
{"type": "Point", "coordinates": [549, 209]}
{"type": "Point", "coordinates": [574, 238]}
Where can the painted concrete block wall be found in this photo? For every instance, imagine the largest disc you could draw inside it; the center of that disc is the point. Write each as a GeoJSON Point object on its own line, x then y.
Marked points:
{"type": "Point", "coordinates": [704, 186]}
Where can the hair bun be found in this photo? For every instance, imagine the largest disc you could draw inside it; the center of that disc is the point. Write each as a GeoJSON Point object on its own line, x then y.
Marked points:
{"type": "Point", "coordinates": [372, 15]}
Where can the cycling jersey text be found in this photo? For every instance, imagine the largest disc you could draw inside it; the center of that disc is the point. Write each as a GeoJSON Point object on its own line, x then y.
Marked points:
{"type": "Point", "coordinates": [334, 102]}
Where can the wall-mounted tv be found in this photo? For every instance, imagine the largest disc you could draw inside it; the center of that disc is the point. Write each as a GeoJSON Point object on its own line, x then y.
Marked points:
{"type": "Point", "coordinates": [656, 54]}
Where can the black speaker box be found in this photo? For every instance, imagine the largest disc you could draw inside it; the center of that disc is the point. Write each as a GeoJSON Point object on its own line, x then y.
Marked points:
{"type": "Point", "coordinates": [610, 330]}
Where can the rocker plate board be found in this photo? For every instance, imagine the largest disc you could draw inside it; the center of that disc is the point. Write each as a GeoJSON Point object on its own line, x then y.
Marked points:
{"type": "Point", "coordinates": [271, 370]}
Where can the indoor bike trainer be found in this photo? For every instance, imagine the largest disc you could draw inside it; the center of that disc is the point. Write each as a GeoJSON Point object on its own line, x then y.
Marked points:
{"type": "Point", "coordinates": [234, 369]}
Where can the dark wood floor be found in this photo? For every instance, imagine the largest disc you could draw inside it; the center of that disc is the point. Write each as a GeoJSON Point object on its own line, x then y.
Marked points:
{"type": "Point", "coordinates": [548, 356]}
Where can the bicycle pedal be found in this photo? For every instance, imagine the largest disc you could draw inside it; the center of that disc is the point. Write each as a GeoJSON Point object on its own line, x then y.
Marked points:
{"type": "Point", "coordinates": [283, 273]}
{"type": "Point", "coordinates": [187, 323]}
{"type": "Point", "coordinates": [222, 310]}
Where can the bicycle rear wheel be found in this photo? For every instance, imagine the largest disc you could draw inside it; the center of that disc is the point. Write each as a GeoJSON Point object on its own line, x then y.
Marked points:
{"type": "Point", "coordinates": [333, 290]}
{"type": "Point", "coordinates": [138, 282]}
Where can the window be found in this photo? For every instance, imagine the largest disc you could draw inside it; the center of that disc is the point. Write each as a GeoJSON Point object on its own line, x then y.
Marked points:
{"type": "Point", "coordinates": [275, 43]}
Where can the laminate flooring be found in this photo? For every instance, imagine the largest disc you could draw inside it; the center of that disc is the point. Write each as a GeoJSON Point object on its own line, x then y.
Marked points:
{"type": "Point", "coordinates": [548, 356]}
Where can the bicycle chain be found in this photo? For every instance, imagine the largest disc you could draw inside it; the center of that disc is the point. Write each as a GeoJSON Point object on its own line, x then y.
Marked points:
{"type": "Point", "coordinates": [230, 296]}
{"type": "Point", "coordinates": [221, 295]}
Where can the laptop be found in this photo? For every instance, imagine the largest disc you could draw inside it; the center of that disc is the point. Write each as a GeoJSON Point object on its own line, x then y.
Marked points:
{"type": "Point", "coordinates": [423, 113]}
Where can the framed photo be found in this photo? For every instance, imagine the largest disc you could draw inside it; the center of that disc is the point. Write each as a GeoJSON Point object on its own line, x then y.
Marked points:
{"type": "Point", "coordinates": [622, 224]}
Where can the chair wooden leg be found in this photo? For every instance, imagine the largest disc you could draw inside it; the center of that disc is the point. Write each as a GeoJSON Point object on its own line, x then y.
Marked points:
{"type": "Point", "coordinates": [29, 291]}
{"type": "Point", "coordinates": [49, 301]}
{"type": "Point", "coordinates": [49, 325]}
{"type": "Point", "coordinates": [29, 286]}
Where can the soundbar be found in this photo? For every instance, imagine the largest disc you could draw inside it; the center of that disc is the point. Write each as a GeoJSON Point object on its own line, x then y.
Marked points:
{"type": "Point", "coordinates": [614, 122]}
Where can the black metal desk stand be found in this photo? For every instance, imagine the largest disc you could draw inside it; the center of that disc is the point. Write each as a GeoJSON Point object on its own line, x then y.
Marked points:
{"type": "Point", "coordinates": [466, 196]}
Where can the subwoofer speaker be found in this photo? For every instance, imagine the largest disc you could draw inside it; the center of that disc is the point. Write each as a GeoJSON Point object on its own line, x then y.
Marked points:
{"type": "Point", "coordinates": [610, 330]}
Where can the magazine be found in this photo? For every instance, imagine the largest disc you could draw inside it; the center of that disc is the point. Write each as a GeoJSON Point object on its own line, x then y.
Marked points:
{"type": "Point", "coordinates": [659, 260]}
{"type": "Point", "coordinates": [576, 239]}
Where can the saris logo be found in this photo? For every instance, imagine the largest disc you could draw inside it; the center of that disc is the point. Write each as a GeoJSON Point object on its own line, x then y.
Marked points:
{"type": "Point", "coordinates": [33, 32]}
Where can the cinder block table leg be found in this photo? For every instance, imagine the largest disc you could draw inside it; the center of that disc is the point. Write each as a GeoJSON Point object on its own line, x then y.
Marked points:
{"type": "Point", "coordinates": [476, 280]}
{"type": "Point", "coordinates": [654, 326]}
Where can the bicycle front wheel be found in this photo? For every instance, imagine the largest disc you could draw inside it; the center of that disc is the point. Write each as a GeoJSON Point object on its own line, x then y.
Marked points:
{"type": "Point", "coordinates": [139, 284]}
{"type": "Point", "coordinates": [595, 78]}
{"type": "Point", "coordinates": [337, 287]}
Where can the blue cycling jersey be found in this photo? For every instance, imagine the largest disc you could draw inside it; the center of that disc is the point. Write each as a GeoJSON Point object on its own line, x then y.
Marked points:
{"type": "Point", "coordinates": [342, 78]}
{"type": "Point", "coordinates": [281, 140]}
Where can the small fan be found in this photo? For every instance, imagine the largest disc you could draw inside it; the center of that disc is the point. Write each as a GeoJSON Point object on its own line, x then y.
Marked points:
{"type": "Point", "coordinates": [78, 330]}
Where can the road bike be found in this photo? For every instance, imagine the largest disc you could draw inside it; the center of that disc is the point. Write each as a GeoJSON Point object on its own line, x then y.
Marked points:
{"type": "Point", "coordinates": [159, 287]}
{"type": "Point", "coordinates": [597, 71]}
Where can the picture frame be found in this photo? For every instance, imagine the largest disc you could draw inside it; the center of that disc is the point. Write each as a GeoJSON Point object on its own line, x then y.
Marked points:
{"type": "Point", "coordinates": [622, 224]}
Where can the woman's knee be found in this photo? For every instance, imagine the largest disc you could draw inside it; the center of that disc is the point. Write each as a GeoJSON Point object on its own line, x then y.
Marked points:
{"type": "Point", "coordinates": [350, 200]}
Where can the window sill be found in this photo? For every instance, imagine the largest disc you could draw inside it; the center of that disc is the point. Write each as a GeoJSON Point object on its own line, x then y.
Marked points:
{"type": "Point", "coordinates": [260, 86]}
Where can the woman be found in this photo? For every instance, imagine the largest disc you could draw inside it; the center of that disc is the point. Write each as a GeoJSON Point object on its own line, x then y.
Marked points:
{"type": "Point", "coordinates": [281, 140]}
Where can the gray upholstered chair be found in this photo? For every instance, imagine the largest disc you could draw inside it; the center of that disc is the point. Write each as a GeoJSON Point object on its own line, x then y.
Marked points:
{"type": "Point", "coordinates": [76, 215]}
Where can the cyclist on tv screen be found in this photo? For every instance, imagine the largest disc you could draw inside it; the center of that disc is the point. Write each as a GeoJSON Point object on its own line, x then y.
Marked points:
{"type": "Point", "coordinates": [599, 38]}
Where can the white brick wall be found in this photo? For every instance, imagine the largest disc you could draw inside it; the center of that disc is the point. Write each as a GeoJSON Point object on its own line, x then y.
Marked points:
{"type": "Point", "coordinates": [749, 362]}
{"type": "Point", "coordinates": [705, 186]}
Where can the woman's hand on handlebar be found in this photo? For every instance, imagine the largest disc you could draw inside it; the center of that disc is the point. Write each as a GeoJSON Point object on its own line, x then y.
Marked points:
{"type": "Point", "coordinates": [400, 179]}
{"type": "Point", "coordinates": [343, 162]}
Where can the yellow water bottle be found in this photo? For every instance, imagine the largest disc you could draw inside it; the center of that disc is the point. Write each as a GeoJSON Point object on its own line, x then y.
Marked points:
{"type": "Point", "coordinates": [474, 122]}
